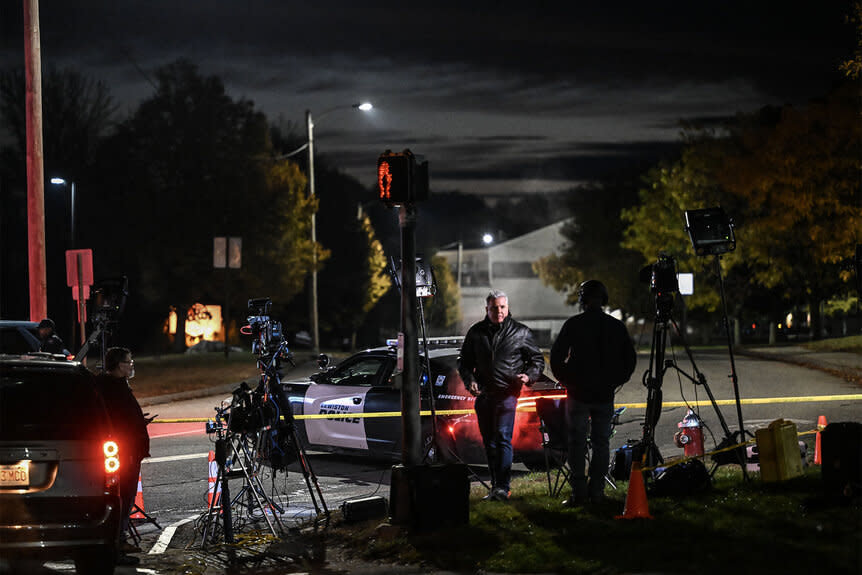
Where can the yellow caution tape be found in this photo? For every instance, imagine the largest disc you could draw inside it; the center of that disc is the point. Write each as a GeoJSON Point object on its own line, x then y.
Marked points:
{"type": "Point", "coordinates": [701, 403]}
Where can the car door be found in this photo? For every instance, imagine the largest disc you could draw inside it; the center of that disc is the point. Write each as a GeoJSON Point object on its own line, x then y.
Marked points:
{"type": "Point", "coordinates": [340, 397]}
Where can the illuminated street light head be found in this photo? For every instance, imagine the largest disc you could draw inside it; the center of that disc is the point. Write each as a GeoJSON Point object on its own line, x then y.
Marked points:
{"type": "Point", "coordinates": [58, 181]}
{"type": "Point", "coordinates": [487, 239]}
{"type": "Point", "coordinates": [364, 106]}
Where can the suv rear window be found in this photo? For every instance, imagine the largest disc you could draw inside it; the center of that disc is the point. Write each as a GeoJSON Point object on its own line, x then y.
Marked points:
{"type": "Point", "coordinates": [14, 340]}
{"type": "Point", "coordinates": [40, 405]}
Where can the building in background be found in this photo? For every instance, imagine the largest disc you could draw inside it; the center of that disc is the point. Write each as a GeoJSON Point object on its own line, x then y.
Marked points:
{"type": "Point", "coordinates": [508, 266]}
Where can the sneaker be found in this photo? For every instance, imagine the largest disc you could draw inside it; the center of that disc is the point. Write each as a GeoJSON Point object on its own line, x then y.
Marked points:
{"type": "Point", "coordinates": [500, 494]}
{"type": "Point", "coordinates": [123, 559]}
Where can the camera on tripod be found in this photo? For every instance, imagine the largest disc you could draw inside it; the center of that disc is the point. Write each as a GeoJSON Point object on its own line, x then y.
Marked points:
{"type": "Point", "coordinates": [662, 279]}
{"type": "Point", "coordinates": [265, 332]}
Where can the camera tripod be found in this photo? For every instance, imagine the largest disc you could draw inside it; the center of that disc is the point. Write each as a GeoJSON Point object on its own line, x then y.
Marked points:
{"type": "Point", "coordinates": [653, 380]}
{"type": "Point", "coordinates": [244, 464]}
{"type": "Point", "coordinates": [258, 418]}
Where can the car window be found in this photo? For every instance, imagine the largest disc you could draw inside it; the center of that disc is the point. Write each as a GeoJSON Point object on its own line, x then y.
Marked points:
{"type": "Point", "coordinates": [444, 375]}
{"type": "Point", "coordinates": [366, 370]}
{"type": "Point", "coordinates": [38, 405]}
{"type": "Point", "coordinates": [17, 340]}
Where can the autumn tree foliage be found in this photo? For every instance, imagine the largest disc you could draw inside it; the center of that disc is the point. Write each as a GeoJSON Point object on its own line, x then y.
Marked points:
{"type": "Point", "coordinates": [790, 179]}
{"type": "Point", "coordinates": [798, 186]}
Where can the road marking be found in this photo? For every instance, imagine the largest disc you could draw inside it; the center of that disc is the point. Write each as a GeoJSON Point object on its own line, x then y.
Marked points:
{"type": "Point", "coordinates": [175, 457]}
{"type": "Point", "coordinates": [165, 538]}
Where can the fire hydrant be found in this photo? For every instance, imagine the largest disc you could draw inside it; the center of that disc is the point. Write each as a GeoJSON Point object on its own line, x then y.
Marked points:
{"type": "Point", "coordinates": [690, 435]}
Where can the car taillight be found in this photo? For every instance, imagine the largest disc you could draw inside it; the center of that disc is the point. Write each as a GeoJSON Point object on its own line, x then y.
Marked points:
{"type": "Point", "coordinates": [111, 451]}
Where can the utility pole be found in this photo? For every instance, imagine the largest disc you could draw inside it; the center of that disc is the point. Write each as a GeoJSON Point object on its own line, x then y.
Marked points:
{"type": "Point", "coordinates": [38, 282]}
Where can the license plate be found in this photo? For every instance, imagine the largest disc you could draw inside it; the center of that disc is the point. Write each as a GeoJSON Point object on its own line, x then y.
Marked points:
{"type": "Point", "coordinates": [16, 475]}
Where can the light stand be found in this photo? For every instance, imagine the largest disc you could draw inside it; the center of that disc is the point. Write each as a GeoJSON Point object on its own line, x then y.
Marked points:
{"type": "Point", "coordinates": [711, 233]}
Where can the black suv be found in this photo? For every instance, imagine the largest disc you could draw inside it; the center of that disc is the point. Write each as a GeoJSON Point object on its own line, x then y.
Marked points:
{"type": "Point", "coordinates": [59, 482]}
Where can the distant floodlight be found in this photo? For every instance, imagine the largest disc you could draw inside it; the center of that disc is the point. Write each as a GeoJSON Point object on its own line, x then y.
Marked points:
{"type": "Point", "coordinates": [487, 239]}
{"type": "Point", "coordinates": [365, 106]}
{"type": "Point", "coordinates": [58, 181]}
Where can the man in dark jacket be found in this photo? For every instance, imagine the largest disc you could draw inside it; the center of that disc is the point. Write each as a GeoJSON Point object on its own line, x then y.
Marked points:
{"type": "Point", "coordinates": [498, 356]}
{"type": "Point", "coordinates": [49, 339]}
{"type": "Point", "coordinates": [592, 356]}
{"type": "Point", "coordinates": [130, 428]}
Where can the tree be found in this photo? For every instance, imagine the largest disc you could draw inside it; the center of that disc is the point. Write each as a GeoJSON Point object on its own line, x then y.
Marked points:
{"type": "Point", "coordinates": [189, 165]}
{"type": "Point", "coordinates": [78, 113]}
{"type": "Point", "coordinates": [657, 224]}
{"type": "Point", "coordinates": [355, 278]}
{"type": "Point", "coordinates": [443, 312]}
{"type": "Point", "coordinates": [789, 178]}
{"type": "Point", "coordinates": [799, 183]}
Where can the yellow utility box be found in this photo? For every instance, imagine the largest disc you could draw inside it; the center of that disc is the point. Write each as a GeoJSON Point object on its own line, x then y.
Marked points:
{"type": "Point", "coordinates": [778, 451]}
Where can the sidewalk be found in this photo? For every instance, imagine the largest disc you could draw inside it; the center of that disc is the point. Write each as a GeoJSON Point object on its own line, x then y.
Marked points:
{"type": "Point", "coordinates": [192, 404]}
{"type": "Point", "coordinates": [841, 364]}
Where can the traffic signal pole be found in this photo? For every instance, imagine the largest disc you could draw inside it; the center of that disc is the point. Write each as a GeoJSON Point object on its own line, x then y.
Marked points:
{"type": "Point", "coordinates": [411, 448]}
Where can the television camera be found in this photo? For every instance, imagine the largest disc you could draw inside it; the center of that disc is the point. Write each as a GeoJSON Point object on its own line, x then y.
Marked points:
{"type": "Point", "coordinates": [266, 333]}
{"type": "Point", "coordinates": [662, 279]}
{"type": "Point", "coordinates": [257, 430]}
{"type": "Point", "coordinates": [106, 307]}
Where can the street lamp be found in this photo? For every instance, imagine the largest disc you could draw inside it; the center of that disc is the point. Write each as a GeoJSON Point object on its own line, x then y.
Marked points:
{"type": "Point", "coordinates": [487, 239]}
{"type": "Point", "coordinates": [71, 186]}
{"type": "Point", "coordinates": [309, 123]}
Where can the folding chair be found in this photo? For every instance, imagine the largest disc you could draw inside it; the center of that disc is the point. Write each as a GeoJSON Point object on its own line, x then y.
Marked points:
{"type": "Point", "coordinates": [555, 446]}
{"type": "Point", "coordinates": [552, 425]}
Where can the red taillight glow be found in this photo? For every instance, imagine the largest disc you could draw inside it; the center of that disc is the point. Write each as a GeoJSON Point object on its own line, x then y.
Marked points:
{"type": "Point", "coordinates": [528, 403]}
{"type": "Point", "coordinates": [112, 461]}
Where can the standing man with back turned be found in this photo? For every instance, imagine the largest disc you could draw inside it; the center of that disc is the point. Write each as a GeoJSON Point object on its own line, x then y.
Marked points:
{"type": "Point", "coordinates": [592, 356]}
{"type": "Point", "coordinates": [498, 356]}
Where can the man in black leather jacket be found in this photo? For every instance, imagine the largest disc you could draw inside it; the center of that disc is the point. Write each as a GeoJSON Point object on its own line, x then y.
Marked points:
{"type": "Point", "coordinates": [498, 356]}
{"type": "Point", "coordinates": [592, 356]}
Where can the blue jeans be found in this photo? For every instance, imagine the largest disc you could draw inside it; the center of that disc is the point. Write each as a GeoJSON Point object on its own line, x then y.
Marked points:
{"type": "Point", "coordinates": [496, 417]}
{"type": "Point", "coordinates": [595, 419]}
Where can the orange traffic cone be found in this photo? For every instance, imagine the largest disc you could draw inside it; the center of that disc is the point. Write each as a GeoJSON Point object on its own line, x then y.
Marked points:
{"type": "Point", "coordinates": [213, 474]}
{"type": "Point", "coordinates": [636, 501]}
{"type": "Point", "coordinates": [821, 423]}
{"type": "Point", "coordinates": [139, 502]}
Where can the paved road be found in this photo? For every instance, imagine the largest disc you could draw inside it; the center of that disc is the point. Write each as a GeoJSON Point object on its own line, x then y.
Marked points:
{"type": "Point", "coordinates": [175, 477]}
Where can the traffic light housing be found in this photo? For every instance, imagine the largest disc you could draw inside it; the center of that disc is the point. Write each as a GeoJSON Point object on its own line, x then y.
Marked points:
{"type": "Point", "coordinates": [401, 178]}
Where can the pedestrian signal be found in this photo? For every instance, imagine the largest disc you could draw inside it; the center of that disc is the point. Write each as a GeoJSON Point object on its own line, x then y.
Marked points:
{"type": "Point", "coordinates": [401, 178]}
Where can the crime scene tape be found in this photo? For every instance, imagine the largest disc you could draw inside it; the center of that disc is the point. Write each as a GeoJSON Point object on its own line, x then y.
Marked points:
{"type": "Point", "coordinates": [530, 406]}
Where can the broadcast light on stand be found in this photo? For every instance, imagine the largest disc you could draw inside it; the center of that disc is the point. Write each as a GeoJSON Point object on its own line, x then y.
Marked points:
{"type": "Point", "coordinates": [710, 230]}
{"type": "Point", "coordinates": [711, 233]}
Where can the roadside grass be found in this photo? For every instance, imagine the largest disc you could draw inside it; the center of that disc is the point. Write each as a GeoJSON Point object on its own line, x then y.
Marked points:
{"type": "Point", "coordinates": [851, 344]}
{"type": "Point", "coordinates": [737, 526]}
{"type": "Point", "coordinates": [185, 372]}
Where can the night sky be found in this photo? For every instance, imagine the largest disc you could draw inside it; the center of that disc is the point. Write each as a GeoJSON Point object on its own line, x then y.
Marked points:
{"type": "Point", "coordinates": [500, 97]}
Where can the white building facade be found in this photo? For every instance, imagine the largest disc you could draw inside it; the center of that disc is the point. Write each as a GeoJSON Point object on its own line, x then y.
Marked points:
{"type": "Point", "coordinates": [508, 266]}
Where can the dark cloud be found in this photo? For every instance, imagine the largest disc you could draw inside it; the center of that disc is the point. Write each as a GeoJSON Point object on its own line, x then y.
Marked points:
{"type": "Point", "coordinates": [484, 89]}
